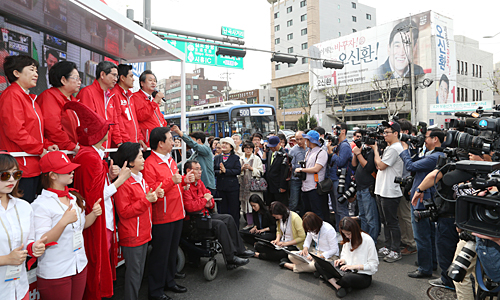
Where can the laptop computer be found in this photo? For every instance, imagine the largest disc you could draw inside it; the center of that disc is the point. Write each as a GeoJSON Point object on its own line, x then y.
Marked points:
{"type": "Point", "coordinates": [328, 266]}
{"type": "Point", "coordinates": [296, 255]}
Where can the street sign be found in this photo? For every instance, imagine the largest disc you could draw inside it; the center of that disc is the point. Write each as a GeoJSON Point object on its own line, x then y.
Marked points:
{"type": "Point", "coordinates": [228, 31]}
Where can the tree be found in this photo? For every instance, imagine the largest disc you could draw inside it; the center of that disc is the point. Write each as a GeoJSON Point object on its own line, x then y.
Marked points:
{"type": "Point", "coordinates": [494, 82]}
{"type": "Point", "coordinates": [303, 122]}
{"type": "Point", "coordinates": [392, 91]}
{"type": "Point", "coordinates": [333, 93]}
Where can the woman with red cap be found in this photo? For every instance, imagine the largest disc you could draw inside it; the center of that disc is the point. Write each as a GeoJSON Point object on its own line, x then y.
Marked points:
{"type": "Point", "coordinates": [93, 179]}
{"type": "Point", "coordinates": [21, 121]}
{"type": "Point", "coordinates": [60, 217]}
{"type": "Point", "coordinates": [17, 233]}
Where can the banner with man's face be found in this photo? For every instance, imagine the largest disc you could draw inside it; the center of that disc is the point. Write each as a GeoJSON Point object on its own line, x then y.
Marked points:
{"type": "Point", "coordinates": [382, 52]}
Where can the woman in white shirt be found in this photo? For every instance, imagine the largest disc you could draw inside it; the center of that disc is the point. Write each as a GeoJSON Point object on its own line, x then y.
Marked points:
{"type": "Point", "coordinates": [358, 255]}
{"type": "Point", "coordinates": [326, 245]}
{"type": "Point", "coordinates": [251, 167]}
{"type": "Point", "coordinates": [17, 233]}
{"type": "Point", "coordinates": [59, 214]}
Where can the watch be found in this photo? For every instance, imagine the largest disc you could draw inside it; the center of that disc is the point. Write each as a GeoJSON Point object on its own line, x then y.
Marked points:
{"type": "Point", "coordinates": [419, 191]}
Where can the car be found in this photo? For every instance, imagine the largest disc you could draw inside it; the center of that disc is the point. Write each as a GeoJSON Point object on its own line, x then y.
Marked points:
{"type": "Point", "coordinates": [287, 132]}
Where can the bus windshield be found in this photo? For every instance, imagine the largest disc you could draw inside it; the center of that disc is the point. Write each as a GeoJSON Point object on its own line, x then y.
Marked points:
{"type": "Point", "coordinates": [246, 126]}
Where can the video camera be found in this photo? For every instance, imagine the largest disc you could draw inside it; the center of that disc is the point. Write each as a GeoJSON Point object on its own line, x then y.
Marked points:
{"type": "Point", "coordinates": [372, 137]}
{"type": "Point", "coordinates": [332, 138]}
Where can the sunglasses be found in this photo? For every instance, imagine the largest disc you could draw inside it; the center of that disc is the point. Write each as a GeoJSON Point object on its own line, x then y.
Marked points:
{"type": "Point", "coordinates": [4, 176]}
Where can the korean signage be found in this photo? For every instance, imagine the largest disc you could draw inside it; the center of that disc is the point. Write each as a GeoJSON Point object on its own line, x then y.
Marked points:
{"type": "Point", "coordinates": [377, 52]}
{"type": "Point", "coordinates": [446, 63]}
{"type": "Point", "coordinates": [228, 31]}
{"type": "Point", "coordinates": [460, 106]}
{"type": "Point", "coordinates": [261, 111]}
{"type": "Point", "coordinates": [244, 95]}
{"type": "Point", "coordinates": [203, 54]}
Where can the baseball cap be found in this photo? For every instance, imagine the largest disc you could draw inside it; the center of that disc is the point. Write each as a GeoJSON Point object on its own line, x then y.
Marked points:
{"type": "Point", "coordinates": [273, 141]}
{"type": "Point", "coordinates": [393, 125]}
{"type": "Point", "coordinates": [57, 162]}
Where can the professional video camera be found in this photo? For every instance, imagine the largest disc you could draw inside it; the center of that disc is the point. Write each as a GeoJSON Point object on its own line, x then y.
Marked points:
{"type": "Point", "coordinates": [459, 266]}
{"type": "Point", "coordinates": [349, 193]}
{"type": "Point", "coordinates": [417, 141]}
{"type": "Point", "coordinates": [372, 137]}
{"type": "Point", "coordinates": [332, 138]}
{"type": "Point", "coordinates": [474, 144]}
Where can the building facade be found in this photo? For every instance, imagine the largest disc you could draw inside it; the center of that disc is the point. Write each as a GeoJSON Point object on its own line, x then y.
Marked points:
{"type": "Point", "coordinates": [297, 24]}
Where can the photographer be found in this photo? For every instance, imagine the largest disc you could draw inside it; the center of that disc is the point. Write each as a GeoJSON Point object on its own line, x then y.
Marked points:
{"type": "Point", "coordinates": [340, 156]}
{"type": "Point", "coordinates": [389, 193]}
{"type": "Point", "coordinates": [365, 179]}
{"type": "Point", "coordinates": [424, 229]}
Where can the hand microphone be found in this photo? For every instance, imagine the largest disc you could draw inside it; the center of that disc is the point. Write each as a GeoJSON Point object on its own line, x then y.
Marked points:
{"type": "Point", "coordinates": [154, 96]}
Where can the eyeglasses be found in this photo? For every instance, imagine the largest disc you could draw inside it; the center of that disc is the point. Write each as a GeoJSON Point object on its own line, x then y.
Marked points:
{"type": "Point", "coordinates": [115, 75]}
{"type": "Point", "coordinates": [4, 176]}
{"type": "Point", "coordinates": [77, 78]}
{"type": "Point", "coordinates": [357, 136]}
{"type": "Point", "coordinates": [388, 132]}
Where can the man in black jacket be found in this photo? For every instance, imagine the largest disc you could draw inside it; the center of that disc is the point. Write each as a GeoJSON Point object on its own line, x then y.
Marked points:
{"type": "Point", "coordinates": [277, 171]}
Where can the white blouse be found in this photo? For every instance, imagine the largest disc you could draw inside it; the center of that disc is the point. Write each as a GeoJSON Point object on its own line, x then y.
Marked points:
{"type": "Point", "coordinates": [15, 289]}
{"type": "Point", "coordinates": [365, 254]}
{"type": "Point", "coordinates": [59, 260]}
{"type": "Point", "coordinates": [325, 239]}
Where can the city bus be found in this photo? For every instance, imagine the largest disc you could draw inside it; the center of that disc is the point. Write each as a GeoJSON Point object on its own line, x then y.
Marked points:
{"type": "Point", "coordinates": [223, 119]}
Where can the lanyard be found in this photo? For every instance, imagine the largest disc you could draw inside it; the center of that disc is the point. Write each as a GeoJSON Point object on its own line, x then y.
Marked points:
{"type": "Point", "coordinates": [79, 219]}
{"type": "Point", "coordinates": [285, 227]}
{"type": "Point", "coordinates": [20, 226]}
{"type": "Point", "coordinates": [319, 236]}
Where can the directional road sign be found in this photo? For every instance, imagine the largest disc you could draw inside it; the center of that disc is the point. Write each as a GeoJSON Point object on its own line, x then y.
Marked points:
{"type": "Point", "coordinates": [228, 31]}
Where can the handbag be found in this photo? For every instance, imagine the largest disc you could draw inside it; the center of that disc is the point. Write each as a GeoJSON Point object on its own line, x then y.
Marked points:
{"type": "Point", "coordinates": [325, 186]}
{"type": "Point", "coordinates": [258, 184]}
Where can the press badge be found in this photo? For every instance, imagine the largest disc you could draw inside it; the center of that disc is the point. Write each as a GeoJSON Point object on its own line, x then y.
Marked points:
{"type": "Point", "coordinates": [13, 272]}
{"type": "Point", "coordinates": [77, 241]}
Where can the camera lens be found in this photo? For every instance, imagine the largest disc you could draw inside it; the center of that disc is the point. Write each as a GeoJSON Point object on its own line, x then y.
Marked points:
{"type": "Point", "coordinates": [487, 214]}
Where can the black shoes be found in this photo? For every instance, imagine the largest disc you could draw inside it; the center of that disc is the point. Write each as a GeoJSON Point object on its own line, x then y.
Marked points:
{"type": "Point", "coordinates": [236, 262]}
{"type": "Point", "coordinates": [179, 275]}
{"type": "Point", "coordinates": [246, 254]}
{"type": "Point", "coordinates": [163, 297]}
{"type": "Point", "coordinates": [418, 274]}
{"type": "Point", "coordinates": [282, 264]}
{"type": "Point", "coordinates": [342, 292]}
{"type": "Point", "coordinates": [177, 289]}
{"type": "Point", "coordinates": [433, 269]}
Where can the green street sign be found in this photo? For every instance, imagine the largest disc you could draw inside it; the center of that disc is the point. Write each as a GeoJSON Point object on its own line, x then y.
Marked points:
{"type": "Point", "coordinates": [228, 31]}
{"type": "Point", "coordinates": [230, 62]}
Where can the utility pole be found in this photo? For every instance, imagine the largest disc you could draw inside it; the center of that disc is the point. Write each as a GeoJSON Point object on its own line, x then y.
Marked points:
{"type": "Point", "coordinates": [412, 79]}
{"type": "Point", "coordinates": [147, 23]}
{"type": "Point", "coordinates": [228, 88]}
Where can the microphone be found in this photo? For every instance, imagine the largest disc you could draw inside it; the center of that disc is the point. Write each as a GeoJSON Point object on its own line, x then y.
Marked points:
{"type": "Point", "coordinates": [456, 176]}
{"type": "Point", "coordinates": [154, 95]}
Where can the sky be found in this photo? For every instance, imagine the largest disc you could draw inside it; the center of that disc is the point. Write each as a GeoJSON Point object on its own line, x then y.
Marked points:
{"type": "Point", "coordinates": [473, 19]}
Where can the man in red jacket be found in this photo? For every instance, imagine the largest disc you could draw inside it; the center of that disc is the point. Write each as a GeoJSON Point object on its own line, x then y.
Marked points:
{"type": "Point", "coordinates": [99, 99]}
{"type": "Point", "coordinates": [130, 130]}
{"type": "Point", "coordinates": [168, 213]}
{"type": "Point", "coordinates": [147, 106]}
{"type": "Point", "coordinates": [199, 199]}
{"type": "Point", "coordinates": [92, 180]}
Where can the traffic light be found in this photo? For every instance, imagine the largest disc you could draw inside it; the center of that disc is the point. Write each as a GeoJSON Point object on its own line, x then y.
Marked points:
{"type": "Point", "coordinates": [230, 52]}
{"type": "Point", "coordinates": [332, 64]}
{"type": "Point", "coordinates": [282, 58]}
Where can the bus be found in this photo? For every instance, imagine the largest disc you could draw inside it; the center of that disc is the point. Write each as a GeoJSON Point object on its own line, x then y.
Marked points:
{"type": "Point", "coordinates": [223, 119]}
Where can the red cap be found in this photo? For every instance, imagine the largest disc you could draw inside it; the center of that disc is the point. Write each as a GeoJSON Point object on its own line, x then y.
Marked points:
{"type": "Point", "coordinates": [57, 162]}
{"type": "Point", "coordinates": [92, 127]}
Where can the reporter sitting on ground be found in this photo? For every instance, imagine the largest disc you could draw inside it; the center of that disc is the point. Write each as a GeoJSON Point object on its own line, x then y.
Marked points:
{"type": "Point", "coordinates": [198, 199]}
{"type": "Point", "coordinates": [325, 238]}
{"type": "Point", "coordinates": [264, 224]}
{"type": "Point", "coordinates": [358, 254]}
{"type": "Point", "coordinates": [289, 233]}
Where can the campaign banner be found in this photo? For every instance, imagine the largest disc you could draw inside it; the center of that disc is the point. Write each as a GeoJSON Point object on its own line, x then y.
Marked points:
{"type": "Point", "coordinates": [380, 52]}
{"type": "Point", "coordinates": [446, 63]}
{"type": "Point", "coordinates": [460, 106]}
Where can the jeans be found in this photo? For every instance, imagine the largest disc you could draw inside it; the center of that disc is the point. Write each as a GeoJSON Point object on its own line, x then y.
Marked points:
{"type": "Point", "coordinates": [341, 210]}
{"type": "Point", "coordinates": [424, 232]}
{"type": "Point", "coordinates": [446, 244]}
{"type": "Point", "coordinates": [295, 192]}
{"type": "Point", "coordinates": [388, 208]}
{"type": "Point", "coordinates": [368, 213]}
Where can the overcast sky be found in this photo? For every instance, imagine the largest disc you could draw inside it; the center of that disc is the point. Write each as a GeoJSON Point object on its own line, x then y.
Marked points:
{"type": "Point", "coordinates": [473, 19]}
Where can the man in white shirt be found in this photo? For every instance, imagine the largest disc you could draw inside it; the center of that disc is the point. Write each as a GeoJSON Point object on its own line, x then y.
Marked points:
{"type": "Point", "coordinates": [389, 193]}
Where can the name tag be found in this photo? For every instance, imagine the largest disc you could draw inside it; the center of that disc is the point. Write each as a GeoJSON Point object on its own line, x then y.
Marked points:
{"type": "Point", "coordinates": [13, 273]}
{"type": "Point", "coordinates": [77, 241]}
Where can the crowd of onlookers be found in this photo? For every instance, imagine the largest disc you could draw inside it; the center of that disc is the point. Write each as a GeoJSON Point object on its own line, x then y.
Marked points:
{"type": "Point", "coordinates": [297, 197]}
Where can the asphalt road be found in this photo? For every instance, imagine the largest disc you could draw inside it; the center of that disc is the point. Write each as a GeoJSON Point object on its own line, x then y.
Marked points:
{"type": "Point", "coordinates": [266, 280]}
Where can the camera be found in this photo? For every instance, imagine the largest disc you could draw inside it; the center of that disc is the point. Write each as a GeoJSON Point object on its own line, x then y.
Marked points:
{"type": "Point", "coordinates": [459, 266]}
{"type": "Point", "coordinates": [404, 181]}
{"type": "Point", "coordinates": [349, 193]}
{"type": "Point", "coordinates": [430, 211]}
{"type": "Point", "coordinates": [333, 139]}
{"type": "Point", "coordinates": [417, 141]}
{"type": "Point", "coordinates": [342, 174]}
{"type": "Point", "coordinates": [301, 175]}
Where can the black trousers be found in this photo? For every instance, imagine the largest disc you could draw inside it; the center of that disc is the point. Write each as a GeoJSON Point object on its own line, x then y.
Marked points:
{"type": "Point", "coordinates": [349, 280]}
{"type": "Point", "coordinates": [280, 197]}
{"type": "Point", "coordinates": [29, 186]}
{"type": "Point", "coordinates": [249, 238]}
{"type": "Point", "coordinates": [163, 257]}
{"type": "Point", "coordinates": [268, 253]}
{"type": "Point", "coordinates": [228, 235]}
{"type": "Point", "coordinates": [230, 204]}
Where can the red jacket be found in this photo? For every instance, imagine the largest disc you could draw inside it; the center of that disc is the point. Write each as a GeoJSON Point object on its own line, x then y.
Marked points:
{"type": "Point", "coordinates": [90, 178]}
{"type": "Point", "coordinates": [130, 130]}
{"type": "Point", "coordinates": [148, 114]}
{"type": "Point", "coordinates": [95, 98]}
{"type": "Point", "coordinates": [60, 125]}
{"type": "Point", "coordinates": [171, 207]}
{"type": "Point", "coordinates": [22, 126]}
{"type": "Point", "coordinates": [134, 212]}
{"type": "Point", "coordinates": [194, 200]}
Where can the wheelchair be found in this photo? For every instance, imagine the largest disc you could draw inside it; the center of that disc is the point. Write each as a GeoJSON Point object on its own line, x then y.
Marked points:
{"type": "Point", "coordinates": [198, 240]}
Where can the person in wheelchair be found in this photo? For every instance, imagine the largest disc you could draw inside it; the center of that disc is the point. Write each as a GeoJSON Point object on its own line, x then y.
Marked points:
{"type": "Point", "coordinates": [198, 199]}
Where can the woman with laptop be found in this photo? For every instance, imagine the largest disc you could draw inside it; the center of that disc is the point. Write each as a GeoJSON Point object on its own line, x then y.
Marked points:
{"type": "Point", "coordinates": [358, 259]}
{"type": "Point", "coordinates": [326, 245]}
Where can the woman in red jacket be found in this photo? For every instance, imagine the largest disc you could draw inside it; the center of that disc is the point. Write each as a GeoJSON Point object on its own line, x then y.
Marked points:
{"type": "Point", "coordinates": [21, 121]}
{"type": "Point", "coordinates": [60, 125]}
{"type": "Point", "coordinates": [133, 204]}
